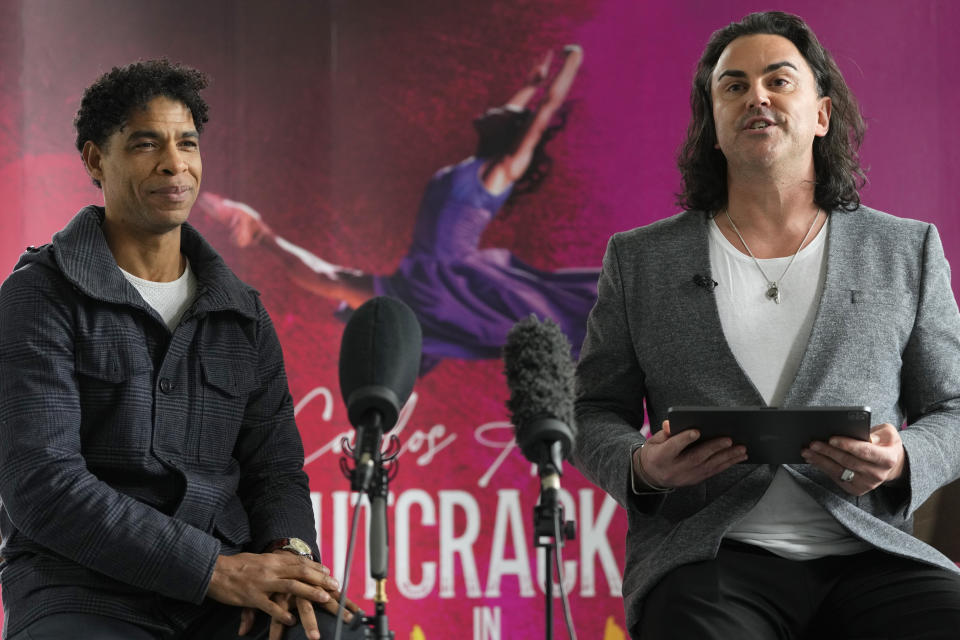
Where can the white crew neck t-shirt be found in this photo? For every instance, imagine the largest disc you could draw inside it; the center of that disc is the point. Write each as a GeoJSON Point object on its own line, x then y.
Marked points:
{"type": "Point", "coordinates": [768, 340]}
{"type": "Point", "coordinates": [169, 299]}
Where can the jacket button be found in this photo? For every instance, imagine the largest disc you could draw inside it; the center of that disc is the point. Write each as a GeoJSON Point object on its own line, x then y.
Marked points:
{"type": "Point", "coordinates": [165, 385]}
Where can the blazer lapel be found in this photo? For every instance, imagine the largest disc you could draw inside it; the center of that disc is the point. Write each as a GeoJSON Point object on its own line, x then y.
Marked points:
{"type": "Point", "coordinates": [821, 342]}
{"type": "Point", "coordinates": [708, 330]}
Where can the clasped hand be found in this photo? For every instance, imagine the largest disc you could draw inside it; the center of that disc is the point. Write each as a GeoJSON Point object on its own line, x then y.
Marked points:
{"type": "Point", "coordinates": [670, 461]}
{"type": "Point", "coordinates": [274, 583]}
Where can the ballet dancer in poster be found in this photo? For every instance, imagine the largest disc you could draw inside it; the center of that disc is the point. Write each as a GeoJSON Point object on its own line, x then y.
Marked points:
{"type": "Point", "coordinates": [466, 298]}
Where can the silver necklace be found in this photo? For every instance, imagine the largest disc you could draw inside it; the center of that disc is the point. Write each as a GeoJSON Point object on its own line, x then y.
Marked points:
{"type": "Point", "coordinates": [773, 286]}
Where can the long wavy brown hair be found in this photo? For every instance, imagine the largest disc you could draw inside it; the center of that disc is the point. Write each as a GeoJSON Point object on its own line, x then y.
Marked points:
{"type": "Point", "coordinates": [835, 156]}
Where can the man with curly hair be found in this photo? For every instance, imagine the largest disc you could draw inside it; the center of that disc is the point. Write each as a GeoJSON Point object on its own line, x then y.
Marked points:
{"type": "Point", "coordinates": [151, 473]}
{"type": "Point", "coordinates": [775, 287]}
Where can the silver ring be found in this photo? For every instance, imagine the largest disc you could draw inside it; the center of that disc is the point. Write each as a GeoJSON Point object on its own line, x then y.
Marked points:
{"type": "Point", "coordinates": [847, 475]}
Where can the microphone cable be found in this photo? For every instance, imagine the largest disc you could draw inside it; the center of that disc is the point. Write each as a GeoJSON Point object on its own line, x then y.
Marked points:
{"type": "Point", "coordinates": [558, 559]}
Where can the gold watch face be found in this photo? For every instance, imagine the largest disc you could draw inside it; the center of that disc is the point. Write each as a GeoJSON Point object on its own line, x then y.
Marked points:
{"type": "Point", "coordinates": [298, 546]}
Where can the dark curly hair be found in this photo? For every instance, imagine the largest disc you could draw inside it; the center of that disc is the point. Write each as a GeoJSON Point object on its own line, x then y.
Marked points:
{"type": "Point", "coordinates": [501, 129]}
{"type": "Point", "coordinates": [835, 155]}
{"type": "Point", "coordinates": [107, 103]}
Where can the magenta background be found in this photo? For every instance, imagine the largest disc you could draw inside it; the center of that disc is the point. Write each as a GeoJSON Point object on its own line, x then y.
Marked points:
{"type": "Point", "coordinates": [330, 117]}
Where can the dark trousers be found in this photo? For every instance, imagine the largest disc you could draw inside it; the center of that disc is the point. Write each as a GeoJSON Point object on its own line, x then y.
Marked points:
{"type": "Point", "coordinates": [221, 624]}
{"type": "Point", "coordinates": [748, 593]}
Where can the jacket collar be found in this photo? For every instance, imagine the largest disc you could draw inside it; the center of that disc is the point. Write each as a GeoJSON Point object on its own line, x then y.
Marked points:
{"type": "Point", "coordinates": [81, 252]}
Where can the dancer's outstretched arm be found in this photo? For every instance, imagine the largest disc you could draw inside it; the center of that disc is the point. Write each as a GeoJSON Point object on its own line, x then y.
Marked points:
{"type": "Point", "coordinates": [307, 270]}
{"type": "Point", "coordinates": [511, 167]}
{"type": "Point", "coordinates": [535, 78]}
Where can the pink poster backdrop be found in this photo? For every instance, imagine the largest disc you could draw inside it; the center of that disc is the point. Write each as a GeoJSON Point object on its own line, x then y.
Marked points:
{"type": "Point", "coordinates": [328, 118]}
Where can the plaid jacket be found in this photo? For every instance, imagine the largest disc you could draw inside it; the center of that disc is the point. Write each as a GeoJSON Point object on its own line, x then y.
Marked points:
{"type": "Point", "coordinates": [130, 456]}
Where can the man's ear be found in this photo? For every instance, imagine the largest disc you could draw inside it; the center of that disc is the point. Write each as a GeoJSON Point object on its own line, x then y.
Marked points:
{"type": "Point", "coordinates": [823, 116]}
{"type": "Point", "coordinates": [93, 160]}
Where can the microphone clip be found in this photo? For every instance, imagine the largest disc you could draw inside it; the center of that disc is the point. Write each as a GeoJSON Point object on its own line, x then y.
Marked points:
{"type": "Point", "coordinates": [703, 281]}
{"type": "Point", "coordinates": [550, 526]}
{"type": "Point", "coordinates": [361, 472]}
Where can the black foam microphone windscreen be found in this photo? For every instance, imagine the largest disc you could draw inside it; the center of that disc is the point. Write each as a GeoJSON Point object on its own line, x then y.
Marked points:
{"type": "Point", "coordinates": [540, 373]}
{"type": "Point", "coordinates": [379, 359]}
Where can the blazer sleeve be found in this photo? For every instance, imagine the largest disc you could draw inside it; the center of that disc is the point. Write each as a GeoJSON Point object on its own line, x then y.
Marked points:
{"type": "Point", "coordinates": [47, 492]}
{"type": "Point", "coordinates": [273, 487]}
{"type": "Point", "coordinates": [610, 391]}
{"type": "Point", "coordinates": [930, 381]}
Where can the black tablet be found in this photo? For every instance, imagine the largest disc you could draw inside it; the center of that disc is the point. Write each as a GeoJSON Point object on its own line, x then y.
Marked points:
{"type": "Point", "coordinates": [772, 435]}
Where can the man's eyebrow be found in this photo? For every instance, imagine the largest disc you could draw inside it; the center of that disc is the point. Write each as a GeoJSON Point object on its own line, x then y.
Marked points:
{"type": "Point", "coordinates": [151, 134]}
{"type": "Point", "coordinates": [779, 65]}
{"type": "Point", "coordinates": [736, 73]}
{"type": "Point", "coordinates": [143, 133]}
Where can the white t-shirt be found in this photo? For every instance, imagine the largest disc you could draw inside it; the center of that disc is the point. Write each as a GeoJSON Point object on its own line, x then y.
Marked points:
{"type": "Point", "coordinates": [169, 299]}
{"type": "Point", "coordinates": [768, 340]}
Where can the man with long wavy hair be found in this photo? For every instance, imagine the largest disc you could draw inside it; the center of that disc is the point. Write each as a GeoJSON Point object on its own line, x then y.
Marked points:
{"type": "Point", "coordinates": [777, 288]}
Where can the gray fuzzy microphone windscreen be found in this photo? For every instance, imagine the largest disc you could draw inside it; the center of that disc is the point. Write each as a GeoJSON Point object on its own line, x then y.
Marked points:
{"type": "Point", "coordinates": [540, 376]}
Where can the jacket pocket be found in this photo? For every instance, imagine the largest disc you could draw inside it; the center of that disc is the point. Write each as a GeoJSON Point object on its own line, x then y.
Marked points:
{"type": "Point", "coordinates": [112, 362]}
{"type": "Point", "coordinates": [883, 297]}
{"type": "Point", "coordinates": [231, 378]}
{"type": "Point", "coordinates": [114, 381]}
{"type": "Point", "coordinates": [227, 384]}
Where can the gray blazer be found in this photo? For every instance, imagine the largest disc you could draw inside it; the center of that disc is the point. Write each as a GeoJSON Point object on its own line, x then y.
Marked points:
{"type": "Point", "coordinates": [886, 335]}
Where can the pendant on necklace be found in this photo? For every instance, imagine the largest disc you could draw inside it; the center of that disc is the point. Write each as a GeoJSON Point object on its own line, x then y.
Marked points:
{"type": "Point", "coordinates": [773, 292]}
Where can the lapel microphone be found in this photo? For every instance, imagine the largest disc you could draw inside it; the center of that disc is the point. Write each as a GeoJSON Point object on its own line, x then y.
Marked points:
{"type": "Point", "coordinates": [703, 281]}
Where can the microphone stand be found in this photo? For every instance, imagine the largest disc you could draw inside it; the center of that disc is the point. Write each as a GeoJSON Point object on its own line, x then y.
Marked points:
{"type": "Point", "coordinates": [378, 627]}
{"type": "Point", "coordinates": [549, 523]}
{"type": "Point", "coordinates": [371, 475]}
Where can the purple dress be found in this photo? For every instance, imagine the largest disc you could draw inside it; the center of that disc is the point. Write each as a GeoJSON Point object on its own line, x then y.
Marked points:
{"type": "Point", "coordinates": [467, 298]}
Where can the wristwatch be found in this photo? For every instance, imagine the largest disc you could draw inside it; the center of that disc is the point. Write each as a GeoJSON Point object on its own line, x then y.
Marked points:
{"type": "Point", "coordinates": [294, 545]}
